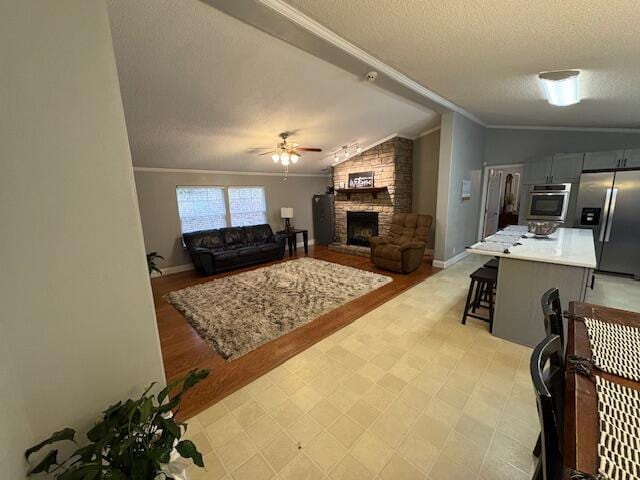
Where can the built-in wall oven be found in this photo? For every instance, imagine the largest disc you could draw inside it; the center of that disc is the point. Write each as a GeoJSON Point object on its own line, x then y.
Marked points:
{"type": "Point", "coordinates": [549, 202]}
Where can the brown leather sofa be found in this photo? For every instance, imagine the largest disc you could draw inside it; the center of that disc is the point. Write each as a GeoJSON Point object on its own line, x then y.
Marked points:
{"type": "Point", "coordinates": [402, 250]}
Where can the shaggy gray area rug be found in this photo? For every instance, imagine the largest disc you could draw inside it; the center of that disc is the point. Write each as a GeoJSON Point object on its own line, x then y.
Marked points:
{"type": "Point", "coordinates": [238, 313]}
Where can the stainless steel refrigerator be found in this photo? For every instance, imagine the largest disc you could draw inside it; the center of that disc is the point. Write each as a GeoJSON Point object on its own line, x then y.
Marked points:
{"type": "Point", "coordinates": [323, 219]}
{"type": "Point", "coordinates": [609, 203]}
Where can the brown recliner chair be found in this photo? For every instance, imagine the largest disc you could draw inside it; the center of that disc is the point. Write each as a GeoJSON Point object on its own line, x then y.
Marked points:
{"type": "Point", "coordinates": [403, 249]}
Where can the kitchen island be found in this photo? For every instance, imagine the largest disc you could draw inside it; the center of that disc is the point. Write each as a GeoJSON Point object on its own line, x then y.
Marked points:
{"type": "Point", "coordinates": [564, 260]}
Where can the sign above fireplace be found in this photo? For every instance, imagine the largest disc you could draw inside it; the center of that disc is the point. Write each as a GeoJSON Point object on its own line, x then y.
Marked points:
{"type": "Point", "coordinates": [361, 180]}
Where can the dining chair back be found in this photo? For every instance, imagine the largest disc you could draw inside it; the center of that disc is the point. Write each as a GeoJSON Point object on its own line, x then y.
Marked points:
{"type": "Point", "coordinates": [552, 310]}
{"type": "Point", "coordinates": [547, 375]}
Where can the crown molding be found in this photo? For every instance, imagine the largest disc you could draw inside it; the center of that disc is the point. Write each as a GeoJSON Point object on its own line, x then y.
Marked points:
{"type": "Point", "coordinates": [565, 129]}
{"type": "Point", "coordinates": [327, 35]}
{"type": "Point", "coordinates": [224, 172]}
{"type": "Point", "coordinates": [427, 132]}
{"type": "Point", "coordinates": [262, 13]}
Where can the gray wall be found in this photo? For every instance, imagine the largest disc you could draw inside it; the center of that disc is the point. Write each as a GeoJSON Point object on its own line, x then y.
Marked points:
{"type": "Point", "coordinates": [461, 147]}
{"type": "Point", "coordinates": [504, 146]}
{"type": "Point", "coordinates": [78, 329]}
{"type": "Point", "coordinates": [159, 208]}
{"type": "Point", "coordinates": [426, 151]}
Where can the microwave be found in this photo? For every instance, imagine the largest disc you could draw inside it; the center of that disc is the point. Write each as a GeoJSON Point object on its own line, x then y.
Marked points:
{"type": "Point", "coordinates": [549, 202]}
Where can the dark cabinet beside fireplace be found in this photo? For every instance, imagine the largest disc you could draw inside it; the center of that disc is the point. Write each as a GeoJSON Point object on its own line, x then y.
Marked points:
{"type": "Point", "coordinates": [323, 219]}
{"type": "Point", "coordinates": [361, 226]}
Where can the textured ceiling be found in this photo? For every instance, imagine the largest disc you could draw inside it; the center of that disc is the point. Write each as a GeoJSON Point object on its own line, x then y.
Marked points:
{"type": "Point", "coordinates": [485, 55]}
{"type": "Point", "coordinates": [201, 89]}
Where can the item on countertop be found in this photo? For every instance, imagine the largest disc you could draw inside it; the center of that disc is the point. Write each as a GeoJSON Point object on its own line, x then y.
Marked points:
{"type": "Point", "coordinates": [516, 228]}
{"type": "Point", "coordinates": [492, 247]}
{"type": "Point", "coordinates": [510, 239]}
{"type": "Point", "coordinates": [542, 229]}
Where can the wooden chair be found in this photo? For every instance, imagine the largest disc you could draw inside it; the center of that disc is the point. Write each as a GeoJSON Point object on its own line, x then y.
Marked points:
{"type": "Point", "coordinates": [547, 374]}
{"type": "Point", "coordinates": [553, 325]}
{"type": "Point", "coordinates": [552, 310]}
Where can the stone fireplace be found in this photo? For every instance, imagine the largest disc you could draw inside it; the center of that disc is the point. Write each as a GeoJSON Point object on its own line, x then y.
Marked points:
{"type": "Point", "coordinates": [361, 226]}
{"type": "Point", "coordinates": [391, 163]}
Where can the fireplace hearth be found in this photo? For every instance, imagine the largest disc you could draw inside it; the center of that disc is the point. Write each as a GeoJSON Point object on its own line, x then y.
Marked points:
{"type": "Point", "coordinates": [361, 226]}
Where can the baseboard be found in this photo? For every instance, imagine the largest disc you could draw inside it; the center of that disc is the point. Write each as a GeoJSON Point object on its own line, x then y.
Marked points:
{"type": "Point", "coordinates": [189, 266]}
{"type": "Point", "coordinates": [301, 244]}
{"type": "Point", "coordinates": [452, 261]}
{"type": "Point", "coordinates": [175, 269]}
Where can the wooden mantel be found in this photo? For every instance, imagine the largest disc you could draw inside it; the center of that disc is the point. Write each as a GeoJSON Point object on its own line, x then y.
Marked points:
{"type": "Point", "coordinates": [372, 190]}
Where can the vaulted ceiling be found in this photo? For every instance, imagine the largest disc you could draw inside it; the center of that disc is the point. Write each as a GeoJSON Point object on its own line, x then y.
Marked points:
{"type": "Point", "coordinates": [485, 55]}
{"type": "Point", "coordinates": [202, 90]}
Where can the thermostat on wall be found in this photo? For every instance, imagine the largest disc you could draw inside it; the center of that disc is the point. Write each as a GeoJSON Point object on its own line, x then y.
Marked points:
{"type": "Point", "coordinates": [466, 189]}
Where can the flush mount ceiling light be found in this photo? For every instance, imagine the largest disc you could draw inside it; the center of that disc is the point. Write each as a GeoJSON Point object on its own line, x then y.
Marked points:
{"type": "Point", "coordinates": [561, 87]}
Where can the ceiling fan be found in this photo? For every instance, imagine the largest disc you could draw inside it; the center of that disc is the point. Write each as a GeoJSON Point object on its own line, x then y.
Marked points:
{"type": "Point", "coordinates": [287, 152]}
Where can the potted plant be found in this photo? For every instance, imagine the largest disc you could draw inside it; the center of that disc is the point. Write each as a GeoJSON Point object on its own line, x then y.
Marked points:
{"type": "Point", "coordinates": [132, 440]}
{"type": "Point", "coordinates": [152, 258]}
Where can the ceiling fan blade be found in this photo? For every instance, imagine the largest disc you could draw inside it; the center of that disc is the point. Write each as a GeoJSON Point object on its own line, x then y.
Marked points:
{"type": "Point", "coordinates": [270, 152]}
{"type": "Point", "coordinates": [308, 149]}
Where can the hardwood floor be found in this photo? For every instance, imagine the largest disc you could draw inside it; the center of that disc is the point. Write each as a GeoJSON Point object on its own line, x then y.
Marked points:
{"type": "Point", "coordinates": [184, 350]}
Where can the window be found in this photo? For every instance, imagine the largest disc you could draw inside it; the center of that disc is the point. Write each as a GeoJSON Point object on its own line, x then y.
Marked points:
{"type": "Point", "coordinates": [247, 206]}
{"type": "Point", "coordinates": [201, 208]}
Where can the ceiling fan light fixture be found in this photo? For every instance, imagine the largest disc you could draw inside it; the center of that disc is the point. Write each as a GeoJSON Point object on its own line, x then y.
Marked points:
{"type": "Point", "coordinates": [275, 157]}
{"type": "Point", "coordinates": [294, 158]}
{"type": "Point", "coordinates": [561, 87]}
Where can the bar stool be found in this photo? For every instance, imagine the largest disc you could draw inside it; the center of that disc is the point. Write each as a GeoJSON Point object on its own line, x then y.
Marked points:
{"type": "Point", "coordinates": [483, 282]}
{"type": "Point", "coordinates": [493, 263]}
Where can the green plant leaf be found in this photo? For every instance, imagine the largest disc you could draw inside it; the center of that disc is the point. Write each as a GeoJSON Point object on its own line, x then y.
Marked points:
{"type": "Point", "coordinates": [170, 426]}
{"type": "Point", "coordinates": [84, 472]}
{"type": "Point", "coordinates": [167, 407]}
{"type": "Point", "coordinates": [146, 408]}
{"type": "Point", "coordinates": [98, 431]}
{"type": "Point", "coordinates": [64, 434]}
{"type": "Point", "coordinates": [187, 449]}
{"type": "Point", "coordinates": [193, 378]}
{"type": "Point", "coordinates": [45, 464]}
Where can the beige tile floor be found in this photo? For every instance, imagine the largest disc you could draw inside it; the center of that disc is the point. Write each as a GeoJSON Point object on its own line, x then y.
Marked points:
{"type": "Point", "coordinates": [405, 392]}
{"type": "Point", "coordinates": [617, 292]}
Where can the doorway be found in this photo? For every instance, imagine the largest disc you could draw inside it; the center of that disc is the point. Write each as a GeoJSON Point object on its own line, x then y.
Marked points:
{"type": "Point", "coordinates": [500, 205]}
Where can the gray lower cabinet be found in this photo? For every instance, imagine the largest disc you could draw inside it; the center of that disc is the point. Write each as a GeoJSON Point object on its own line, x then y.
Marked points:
{"type": "Point", "coordinates": [537, 170]}
{"type": "Point", "coordinates": [566, 168]}
{"type": "Point", "coordinates": [603, 160]}
{"type": "Point", "coordinates": [631, 158]}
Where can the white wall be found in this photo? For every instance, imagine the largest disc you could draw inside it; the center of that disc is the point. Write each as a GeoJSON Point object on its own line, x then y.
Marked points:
{"type": "Point", "coordinates": [426, 150]}
{"type": "Point", "coordinates": [461, 158]}
{"type": "Point", "coordinates": [78, 324]}
{"type": "Point", "coordinates": [159, 208]}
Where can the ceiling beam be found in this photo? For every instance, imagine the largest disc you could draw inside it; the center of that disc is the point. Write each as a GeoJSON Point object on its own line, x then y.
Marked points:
{"type": "Point", "coordinates": [289, 25]}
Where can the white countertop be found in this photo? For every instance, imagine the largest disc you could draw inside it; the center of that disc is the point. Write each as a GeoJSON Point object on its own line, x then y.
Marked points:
{"type": "Point", "coordinates": [566, 246]}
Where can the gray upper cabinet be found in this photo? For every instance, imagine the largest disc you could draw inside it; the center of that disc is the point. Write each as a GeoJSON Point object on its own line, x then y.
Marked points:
{"type": "Point", "coordinates": [537, 170]}
{"type": "Point", "coordinates": [566, 167]}
{"type": "Point", "coordinates": [603, 160]}
{"type": "Point", "coordinates": [631, 158]}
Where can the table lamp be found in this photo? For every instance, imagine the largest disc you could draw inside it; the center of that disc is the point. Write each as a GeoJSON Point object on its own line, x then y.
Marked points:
{"type": "Point", "coordinates": [286, 213]}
